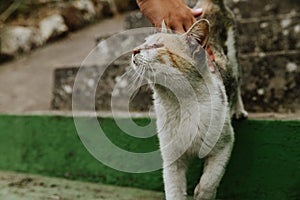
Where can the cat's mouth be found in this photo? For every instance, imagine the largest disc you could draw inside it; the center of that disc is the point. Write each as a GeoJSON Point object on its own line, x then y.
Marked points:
{"type": "Point", "coordinates": [136, 61]}
{"type": "Point", "coordinates": [139, 65]}
{"type": "Point", "coordinates": [140, 60]}
{"type": "Point", "coordinates": [143, 67]}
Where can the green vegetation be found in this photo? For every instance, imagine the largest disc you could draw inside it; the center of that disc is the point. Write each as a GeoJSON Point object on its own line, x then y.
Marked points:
{"type": "Point", "coordinates": [10, 8]}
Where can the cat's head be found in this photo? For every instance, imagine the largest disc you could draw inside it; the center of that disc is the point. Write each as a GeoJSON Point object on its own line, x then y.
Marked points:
{"type": "Point", "coordinates": [166, 53]}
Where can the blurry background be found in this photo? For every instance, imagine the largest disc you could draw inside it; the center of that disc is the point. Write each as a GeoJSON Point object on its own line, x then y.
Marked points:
{"type": "Point", "coordinates": [43, 42]}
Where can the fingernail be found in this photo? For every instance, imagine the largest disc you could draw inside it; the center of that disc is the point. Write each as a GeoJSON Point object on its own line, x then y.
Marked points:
{"type": "Point", "coordinates": [198, 10]}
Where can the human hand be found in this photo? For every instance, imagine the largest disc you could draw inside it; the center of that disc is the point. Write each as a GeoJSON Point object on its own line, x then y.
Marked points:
{"type": "Point", "coordinates": [176, 14]}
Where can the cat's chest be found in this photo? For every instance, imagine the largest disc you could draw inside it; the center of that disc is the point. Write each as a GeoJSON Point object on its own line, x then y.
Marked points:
{"type": "Point", "coordinates": [181, 120]}
{"type": "Point", "coordinates": [184, 131]}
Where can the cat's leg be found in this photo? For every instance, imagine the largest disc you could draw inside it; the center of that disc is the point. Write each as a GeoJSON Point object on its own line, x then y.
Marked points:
{"type": "Point", "coordinates": [237, 110]}
{"type": "Point", "coordinates": [214, 168]}
{"type": "Point", "coordinates": [175, 180]}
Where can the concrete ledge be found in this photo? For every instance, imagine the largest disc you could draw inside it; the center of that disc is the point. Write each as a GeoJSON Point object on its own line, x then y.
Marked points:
{"type": "Point", "coordinates": [264, 165]}
{"type": "Point", "coordinates": [16, 186]}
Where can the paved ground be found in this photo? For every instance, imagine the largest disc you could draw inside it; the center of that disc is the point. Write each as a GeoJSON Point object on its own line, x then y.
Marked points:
{"type": "Point", "coordinates": [26, 83]}
{"type": "Point", "coordinates": [14, 186]}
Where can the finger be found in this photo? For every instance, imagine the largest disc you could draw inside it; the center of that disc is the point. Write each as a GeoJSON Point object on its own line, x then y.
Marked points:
{"type": "Point", "coordinates": [188, 24]}
{"type": "Point", "coordinates": [178, 28]}
{"type": "Point", "coordinates": [158, 28]}
{"type": "Point", "coordinates": [157, 25]}
{"type": "Point", "coordinates": [197, 12]}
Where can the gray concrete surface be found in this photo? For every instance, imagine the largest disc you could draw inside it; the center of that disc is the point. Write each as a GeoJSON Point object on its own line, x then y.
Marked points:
{"type": "Point", "coordinates": [15, 186]}
{"type": "Point", "coordinates": [26, 82]}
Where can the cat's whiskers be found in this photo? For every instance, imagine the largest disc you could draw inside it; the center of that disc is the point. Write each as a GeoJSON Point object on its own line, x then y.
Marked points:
{"type": "Point", "coordinates": [142, 76]}
{"type": "Point", "coordinates": [136, 83]}
{"type": "Point", "coordinates": [134, 76]}
{"type": "Point", "coordinates": [153, 73]}
{"type": "Point", "coordinates": [137, 75]}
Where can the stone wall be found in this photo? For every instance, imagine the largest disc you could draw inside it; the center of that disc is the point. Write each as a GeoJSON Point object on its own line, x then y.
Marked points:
{"type": "Point", "coordinates": [32, 23]}
{"type": "Point", "coordinates": [269, 50]}
{"type": "Point", "coordinates": [269, 46]}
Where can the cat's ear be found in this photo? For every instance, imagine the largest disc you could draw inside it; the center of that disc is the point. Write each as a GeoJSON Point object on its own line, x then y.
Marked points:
{"type": "Point", "coordinates": [164, 28]}
{"type": "Point", "coordinates": [200, 31]}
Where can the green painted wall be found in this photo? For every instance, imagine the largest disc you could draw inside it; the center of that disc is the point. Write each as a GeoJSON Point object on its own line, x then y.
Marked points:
{"type": "Point", "coordinates": [265, 163]}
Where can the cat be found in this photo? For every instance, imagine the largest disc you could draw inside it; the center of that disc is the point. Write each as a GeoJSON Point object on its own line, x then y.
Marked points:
{"type": "Point", "coordinates": [193, 105]}
{"type": "Point", "coordinates": [183, 105]}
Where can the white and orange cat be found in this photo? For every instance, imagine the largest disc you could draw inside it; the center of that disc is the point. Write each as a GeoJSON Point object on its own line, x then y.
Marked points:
{"type": "Point", "coordinates": [192, 106]}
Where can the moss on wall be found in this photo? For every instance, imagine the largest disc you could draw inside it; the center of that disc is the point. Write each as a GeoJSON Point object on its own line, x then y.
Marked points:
{"type": "Point", "coordinates": [265, 163]}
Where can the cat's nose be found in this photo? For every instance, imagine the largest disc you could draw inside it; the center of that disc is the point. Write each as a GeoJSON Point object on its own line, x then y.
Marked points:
{"type": "Point", "coordinates": [136, 51]}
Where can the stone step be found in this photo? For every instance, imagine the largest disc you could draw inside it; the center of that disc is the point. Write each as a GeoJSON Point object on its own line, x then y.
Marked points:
{"type": "Point", "coordinates": [64, 82]}
{"type": "Point", "coordinates": [270, 83]}
{"type": "Point", "coordinates": [64, 79]}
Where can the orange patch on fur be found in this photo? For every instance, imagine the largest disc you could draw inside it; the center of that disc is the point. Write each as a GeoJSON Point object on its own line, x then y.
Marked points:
{"type": "Point", "coordinates": [173, 59]}
{"type": "Point", "coordinates": [160, 58]}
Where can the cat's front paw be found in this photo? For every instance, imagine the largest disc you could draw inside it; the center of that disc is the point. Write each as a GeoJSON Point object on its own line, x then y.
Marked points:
{"type": "Point", "coordinates": [239, 114]}
{"type": "Point", "coordinates": [202, 194]}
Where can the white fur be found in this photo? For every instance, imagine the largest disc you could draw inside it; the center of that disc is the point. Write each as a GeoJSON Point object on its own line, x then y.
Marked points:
{"type": "Point", "coordinates": [189, 144]}
{"type": "Point", "coordinates": [188, 116]}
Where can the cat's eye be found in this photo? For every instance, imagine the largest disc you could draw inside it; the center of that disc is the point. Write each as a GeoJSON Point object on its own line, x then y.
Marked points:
{"type": "Point", "coordinates": [158, 45]}
{"type": "Point", "coordinates": [154, 46]}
